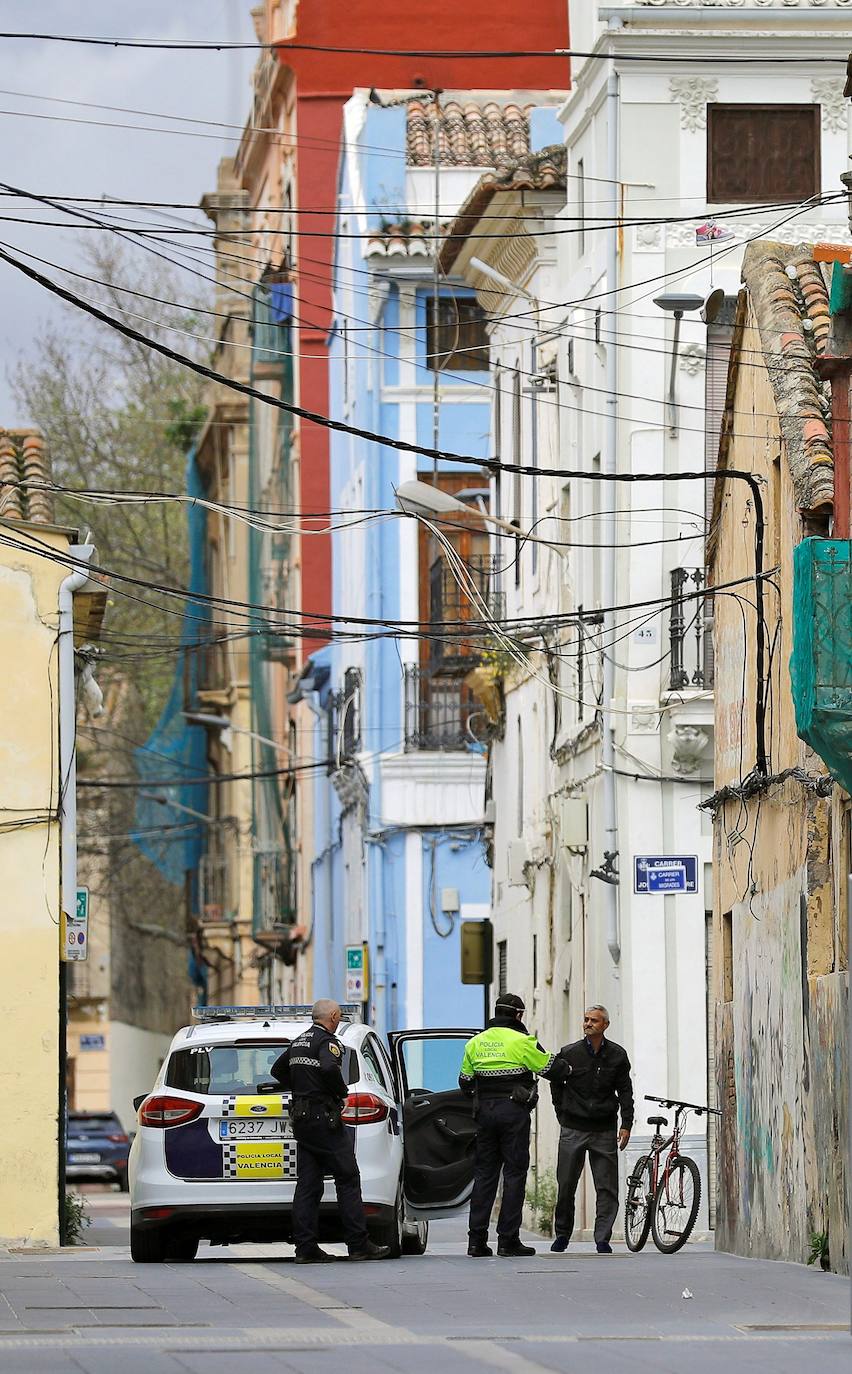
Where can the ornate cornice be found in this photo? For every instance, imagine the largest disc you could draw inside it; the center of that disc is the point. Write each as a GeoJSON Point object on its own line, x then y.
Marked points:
{"type": "Point", "coordinates": [742, 4]}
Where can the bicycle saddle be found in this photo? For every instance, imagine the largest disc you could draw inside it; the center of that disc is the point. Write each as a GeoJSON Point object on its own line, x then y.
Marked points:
{"type": "Point", "coordinates": [657, 1121]}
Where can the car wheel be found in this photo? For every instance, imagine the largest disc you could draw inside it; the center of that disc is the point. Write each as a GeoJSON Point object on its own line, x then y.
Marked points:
{"type": "Point", "coordinates": [391, 1233]}
{"type": "Point", "coordinates": [147, 1247]}
{"type": "Point", "coordinates": [123, 1182]}
{"type": "Point", "coordinates": [183, 1249]}
{"type": "Point", "coordinates": [414, 1241]}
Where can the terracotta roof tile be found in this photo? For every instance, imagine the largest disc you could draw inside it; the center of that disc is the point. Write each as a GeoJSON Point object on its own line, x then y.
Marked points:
{"type": "Point", "coordinates": [24, 469]}
{"type": "Point", "coordinates": [790, 300]}
{"type": "Point", "coordinates": [406, 239]}
{"type": "Point", "coordinates": [544, 170]}
{"type": "Point", "coordinates": [470, 135]}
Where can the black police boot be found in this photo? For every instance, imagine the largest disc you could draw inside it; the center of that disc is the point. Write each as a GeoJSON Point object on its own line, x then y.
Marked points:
{"type": "Point", "coordinates": [314, 1256]}
{"type": "Point", "coordinates": [478, 1249]}
{"type": "Point", "coordinates": [514, 1248]}
{"type": "Point", "coordinates": [371, 1251]}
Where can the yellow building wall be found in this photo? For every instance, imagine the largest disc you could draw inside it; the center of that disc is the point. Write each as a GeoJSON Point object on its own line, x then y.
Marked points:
{"type": "Point", "coordinates": [29, 904]}
{"type": "Point", "coordinates": [779, 961]}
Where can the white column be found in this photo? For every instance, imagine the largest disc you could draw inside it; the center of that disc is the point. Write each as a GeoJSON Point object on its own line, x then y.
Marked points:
{"type": "Point", "coordinates": [413, 1014]}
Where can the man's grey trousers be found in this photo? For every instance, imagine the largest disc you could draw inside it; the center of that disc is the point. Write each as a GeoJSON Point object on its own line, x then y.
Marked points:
{"type": "Point", "coordinates": [602, 1150]}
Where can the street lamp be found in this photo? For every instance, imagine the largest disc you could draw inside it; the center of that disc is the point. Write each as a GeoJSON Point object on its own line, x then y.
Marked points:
{"type": "Point", "coordinates": [223, 723]}
{"type": "Point", "coordinates": [676, 304]}
{"type": "Point", "coordinates": [421, 499]}
{"type": "Point", "coordinates": [178, 806]}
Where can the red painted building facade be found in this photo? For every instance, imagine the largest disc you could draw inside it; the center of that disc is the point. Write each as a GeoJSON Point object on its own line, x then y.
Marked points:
{"type": "Point", "coordinates": [322, 82]}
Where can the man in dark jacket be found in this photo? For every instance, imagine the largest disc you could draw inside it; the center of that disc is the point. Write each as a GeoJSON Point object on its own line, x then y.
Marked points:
{"type": "Point", "coordinates": [587, 1106]}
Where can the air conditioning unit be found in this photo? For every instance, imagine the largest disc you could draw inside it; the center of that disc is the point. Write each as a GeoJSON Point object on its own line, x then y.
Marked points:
{"type": "Point", "coordinates": [517, 859]}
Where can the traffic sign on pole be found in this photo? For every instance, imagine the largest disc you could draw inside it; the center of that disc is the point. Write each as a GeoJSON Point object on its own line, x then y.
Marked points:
{"type": "Point", "coordinates": [77, 929]}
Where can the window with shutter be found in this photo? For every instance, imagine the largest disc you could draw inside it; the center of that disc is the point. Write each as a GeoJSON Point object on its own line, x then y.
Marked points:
{"type": "Point", "coordinates": [763, 152]}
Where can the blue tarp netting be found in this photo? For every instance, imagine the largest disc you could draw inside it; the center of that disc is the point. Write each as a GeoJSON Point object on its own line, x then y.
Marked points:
{"type": "Point", "coordinates": [175, 749]}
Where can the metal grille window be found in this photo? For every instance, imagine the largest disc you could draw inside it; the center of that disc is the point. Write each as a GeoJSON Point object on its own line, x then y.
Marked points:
{"type": "Point", "coordinates": [351, 710]}
{"type": "Point", "coordinates": [459, 343]}
{"type": "Point", "coordinates": [441, 712]}
{"type": "Point", "coordinates": [502, 967]}
{"type": "Point", "coordinates": [450, 603]}
{"type": "Point", "coordinates": [690, 632]}
{"type": "Point", "coordinates": [763, 152]}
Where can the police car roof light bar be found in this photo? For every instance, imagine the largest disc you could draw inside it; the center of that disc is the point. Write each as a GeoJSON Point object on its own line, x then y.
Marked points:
{"type": "Point", "coordinates": [294, 1011]}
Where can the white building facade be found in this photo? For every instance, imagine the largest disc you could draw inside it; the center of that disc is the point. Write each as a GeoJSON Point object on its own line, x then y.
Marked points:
{"type": "Point", "coordinates": [607, 737]}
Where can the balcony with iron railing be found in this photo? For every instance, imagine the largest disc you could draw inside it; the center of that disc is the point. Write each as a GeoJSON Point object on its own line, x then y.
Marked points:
{"type": "Point", "coordinates": [441, 712]}
{"type": "Point", "coordinates": [690, 632]}
{"type": "Point", "coordinates": [453, 602]}
{"type": "Point", "coordinates": [274, 906]}
{"type": "Point", "coordinates": [213, 888]}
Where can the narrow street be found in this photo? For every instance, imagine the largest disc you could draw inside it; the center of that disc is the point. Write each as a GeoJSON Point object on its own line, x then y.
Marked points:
{"type": "Point", "coordinates": [92, 1310]}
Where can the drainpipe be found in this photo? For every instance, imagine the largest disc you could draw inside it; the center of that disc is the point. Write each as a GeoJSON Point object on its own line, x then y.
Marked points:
{"type": "Point", "coordinates": [82, 553]}
{"type": "Point", "coordinates": [609, 465]}
{"type": "Point", "coordinates": [312, 701]}
{"type": "Point", "coordinates": [67, 806]}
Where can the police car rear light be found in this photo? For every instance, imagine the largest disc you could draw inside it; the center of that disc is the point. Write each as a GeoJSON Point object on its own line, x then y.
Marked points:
{"type": "Point", "coordinates": [162, 1110]}
{"type": "Point", "coordinates": [362, 1109]}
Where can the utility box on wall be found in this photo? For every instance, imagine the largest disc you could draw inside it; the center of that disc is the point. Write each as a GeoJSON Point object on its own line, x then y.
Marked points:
{"type": "Point", "coordinates": [477, 952]}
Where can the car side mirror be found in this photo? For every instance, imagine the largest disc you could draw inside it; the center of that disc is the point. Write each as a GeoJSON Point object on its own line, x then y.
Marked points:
{"type": "Point", "coordinates": [137, 1101]}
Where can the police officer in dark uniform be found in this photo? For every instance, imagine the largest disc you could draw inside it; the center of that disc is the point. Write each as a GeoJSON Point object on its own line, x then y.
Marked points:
{"type": "Point", "coordinates": [311, 1068]}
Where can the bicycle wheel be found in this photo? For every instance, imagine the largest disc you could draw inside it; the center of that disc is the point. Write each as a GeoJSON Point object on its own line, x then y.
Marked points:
{"type": "Point", "coordinates": [676, 1205]}
{"type": "Point", "coordinates": [637, 1206]}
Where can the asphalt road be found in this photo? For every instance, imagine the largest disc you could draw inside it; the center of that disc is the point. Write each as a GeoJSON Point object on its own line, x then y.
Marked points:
{"type": "Point", "coordinates": [92, 1311]}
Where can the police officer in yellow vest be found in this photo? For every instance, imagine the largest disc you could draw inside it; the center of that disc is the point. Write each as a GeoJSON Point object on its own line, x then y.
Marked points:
{"type": "Point", "coordinates": [499, 1070]}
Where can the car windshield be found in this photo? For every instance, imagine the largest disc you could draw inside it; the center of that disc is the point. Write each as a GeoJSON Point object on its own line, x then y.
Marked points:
{"type": "Point", "coordinates": [229, 1069]}
{"type": "Point", "coordinates": [93, 1125]}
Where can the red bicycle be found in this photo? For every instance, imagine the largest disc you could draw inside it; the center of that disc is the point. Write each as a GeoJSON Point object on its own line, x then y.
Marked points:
{"type": "Point", "coordinates": [663, 1195]}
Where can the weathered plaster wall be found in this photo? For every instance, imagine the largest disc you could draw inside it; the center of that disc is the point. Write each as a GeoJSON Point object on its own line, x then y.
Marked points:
{"type": "Point", "coordinates": [29, 905]}
{"type": "Point", "coordinates": [779, 963]}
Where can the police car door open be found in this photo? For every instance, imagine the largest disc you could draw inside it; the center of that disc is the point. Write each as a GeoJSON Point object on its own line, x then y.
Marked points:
{"type": "Point", "coordinates": [437, 1120]}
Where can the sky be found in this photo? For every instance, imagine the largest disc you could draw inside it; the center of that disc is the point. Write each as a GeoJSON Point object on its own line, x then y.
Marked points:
{"type": "Point", "coordinates": [56, 157]}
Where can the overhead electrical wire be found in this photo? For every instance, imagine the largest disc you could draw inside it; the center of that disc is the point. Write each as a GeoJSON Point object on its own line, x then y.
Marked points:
{"type": "Point", "coordinates": [472, 381]}
{"type": "Point", "coordinates": [286, 45]}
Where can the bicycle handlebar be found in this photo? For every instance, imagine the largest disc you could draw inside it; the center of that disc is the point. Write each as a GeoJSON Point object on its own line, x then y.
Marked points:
{"type": "Point", "coordinates": [690, 1106]}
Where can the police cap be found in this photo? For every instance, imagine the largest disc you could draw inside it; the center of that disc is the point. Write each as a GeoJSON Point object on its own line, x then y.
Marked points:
{"type": "Point", "coordinates": [509, 1002]}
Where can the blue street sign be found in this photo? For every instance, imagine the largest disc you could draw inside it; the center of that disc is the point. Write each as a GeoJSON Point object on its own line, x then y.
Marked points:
{"type": "Point", "coordinates": [654, 873]}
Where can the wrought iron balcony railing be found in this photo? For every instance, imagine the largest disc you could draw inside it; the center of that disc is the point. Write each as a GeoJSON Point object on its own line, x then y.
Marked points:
{"type": "Point", "coordinates": [452, 604]}
{"type": "Point", "coordinates": [690, 632]}
{"type": "Point", "coordinates": [441, 712]}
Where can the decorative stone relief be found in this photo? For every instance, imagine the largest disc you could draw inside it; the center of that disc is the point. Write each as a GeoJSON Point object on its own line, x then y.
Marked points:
{"type": "Point", "coordinates": [828, 93]}
{"type": "Point", "coordinates": [648, 238]}
{"type": "Point", "coordinates": [692, 94]}
{"type": "Point", "coordinates": [741, 4]}
{"type": "Point", "coordinates": [797, 231]}
{"type": "Point", "coordinates": [692, 359]}
{"type": "Point", "coordinates": [688, 743]}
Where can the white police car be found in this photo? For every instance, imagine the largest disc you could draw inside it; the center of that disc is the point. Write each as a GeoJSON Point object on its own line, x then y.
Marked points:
{"type": "Point", "coordinates": [214, 1156]}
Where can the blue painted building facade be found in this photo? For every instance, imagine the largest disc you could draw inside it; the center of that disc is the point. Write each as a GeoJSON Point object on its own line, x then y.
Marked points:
{"type": "Point", "coordinates": [398, 814]}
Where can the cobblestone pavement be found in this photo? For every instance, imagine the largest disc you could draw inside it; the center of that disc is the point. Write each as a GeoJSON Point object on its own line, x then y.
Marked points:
{"type": "Point", "coordinates": [92, 1311]}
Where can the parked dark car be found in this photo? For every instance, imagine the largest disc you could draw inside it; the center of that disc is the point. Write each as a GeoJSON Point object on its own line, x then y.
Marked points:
{"type": "Point", "coordinates": [97, 1148]}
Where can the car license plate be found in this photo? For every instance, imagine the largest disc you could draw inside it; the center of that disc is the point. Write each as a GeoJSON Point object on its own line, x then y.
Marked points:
{"type": "Point", "coordinates": [247, 1129]}
{"type": "Point", "coordinates": [84, 1159]}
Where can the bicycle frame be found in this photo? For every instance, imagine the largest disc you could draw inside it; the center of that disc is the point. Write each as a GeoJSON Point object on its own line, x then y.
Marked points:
{"type": "Point", "coordinates": [672, 1144]}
